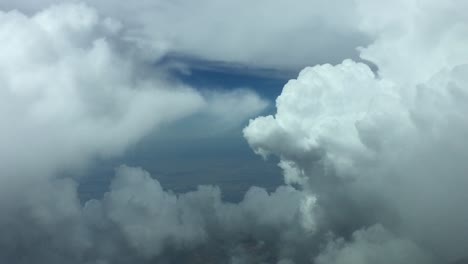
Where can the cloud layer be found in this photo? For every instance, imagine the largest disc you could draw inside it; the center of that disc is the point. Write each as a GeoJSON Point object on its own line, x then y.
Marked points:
{"type": "Point", "coordinates": [376, 158]}
{"type": "Point", "coordinates": [74, 90]}
{"type": "Point", "coordinates": [385, 149]}
{"type": "Point", "coordinates": [68, 93]}
{"type": "Point", "coordinates": [138, 222]}
{"type": "Point", "coordinates": [256, 33]}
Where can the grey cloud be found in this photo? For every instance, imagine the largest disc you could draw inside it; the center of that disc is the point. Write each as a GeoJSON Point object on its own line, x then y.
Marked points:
{"type": "Point", "coordinates": [74, 90]}
{"type": "Point", "coordinates": [373, 245]}
{"type": "Point", "coordinates": [256, 33]}
{"type": "Point", "coordinates": [137, 221]}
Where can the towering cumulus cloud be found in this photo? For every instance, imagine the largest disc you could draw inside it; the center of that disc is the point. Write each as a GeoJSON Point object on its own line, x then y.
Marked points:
{"type": "Point", "coordinates": [384, 150]}
{"type": "Point", "coordinates": [374, 161]}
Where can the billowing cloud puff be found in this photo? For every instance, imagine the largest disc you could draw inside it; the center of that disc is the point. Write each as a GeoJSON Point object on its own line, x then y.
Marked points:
{"type": "Point", "coordinates": [342, 131]}
{"type": "Point", "coordinates": [137, 221]}
{"type": "Point", "coordinates": [153, 219]}
{"type": "Point", "coordinates": [415, 40]}
{"type": "Point", "coordinates": [220, 105]}
{"type": "Point", "coordinates": [328, 111]}
{"type": "Point", "coordinates": [388, 147]}
{"type": "Point", "coordinates": [72, 89]}
{"type": "Point", "coordinates": [68, 93]}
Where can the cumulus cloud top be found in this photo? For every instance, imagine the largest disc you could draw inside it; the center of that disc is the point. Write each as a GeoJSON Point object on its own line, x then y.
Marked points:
{"type": "Point", "coordinates": [327, 109]}
{"type": "Point", "coordinates": [395, 138]}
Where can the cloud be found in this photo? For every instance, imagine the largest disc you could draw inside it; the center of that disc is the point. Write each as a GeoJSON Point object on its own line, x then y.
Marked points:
{"type": "Point", "coordinates": [153, 220]}
{"type": "Point", "coordinates": [220, 105]}
{"type": "Point", "coordinates": [68, 94]}
{"type": "Point", "coordinates": [249, 33]}
{"type": "Point", "coordinates": [259, 33]}
{"type": "Point", "coordinates": [72, 89]}
{"type": "Point", "coordinates": [372, 245]}
{"type": "Point", "coordinates": [137, 221]}
{"type": "Point", "coordinates": [319, 110]}
{"type": "Point", "coordinates": [363, 147]}
{"type": "Point", "coordinates": [383, 148]}
{"type": "Point", "coordinates": [377, 158]}
{"type": "Point", "coordinates": [420, 39]}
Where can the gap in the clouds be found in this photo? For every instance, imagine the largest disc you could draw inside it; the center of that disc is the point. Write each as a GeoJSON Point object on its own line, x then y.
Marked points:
{"type": "Point", "coordinates": [203, 74]}
{"type": "Point", "coordinates": [189, 153]}
{"type": "Point", "coordinates": [181, 164]}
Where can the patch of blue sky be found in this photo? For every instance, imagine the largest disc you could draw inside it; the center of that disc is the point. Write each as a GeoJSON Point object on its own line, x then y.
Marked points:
{"type": "Point", "coordinates": [201, 74]}
{"type": "Point", "coordinates": [188, 153]}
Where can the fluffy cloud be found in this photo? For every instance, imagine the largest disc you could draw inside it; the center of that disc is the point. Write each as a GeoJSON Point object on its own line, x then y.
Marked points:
{"type": "Point", "coordinates": [326, 112]}
{"type": "Point", "coordinates": [383, 149]}
{"type": "Point", "coordinates": [346, 135]}
{"type": "Point", "coordinates": [417, 40]}
{"type": "Point", "coordinates": [72, 89]}
{"type": "Point", "coordinates": [68, 93]}
{"type": "Point", "coordinates": [137, 221]}
{"type": "Point", "coordinates": [152, 219]}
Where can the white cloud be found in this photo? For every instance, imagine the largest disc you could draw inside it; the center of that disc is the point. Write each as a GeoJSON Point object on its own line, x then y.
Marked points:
{"type": "Point", "coordinates": [231, 108]}
{"type": "Point", "coordinates": [339, 129]}
{"type": "Point", "coordinates": [414, 40]}
{"type": "Point", "coordinates": [386, 148]}
{"type": "Point", "coordinates": [73, 90]}
{"type": "Point", "coordinates": [325, 109]}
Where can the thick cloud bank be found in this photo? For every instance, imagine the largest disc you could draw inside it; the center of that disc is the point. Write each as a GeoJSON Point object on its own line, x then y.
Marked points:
{"type": "Point", "coordinates": [138, 222]}
{"type": "Point", "coordinates": [386, 149]}
{"type": "Point", "coordinates": [74, 90]}
{"type": "Point", "coordinates": [68, 93]}
{"type": "Point", "coordinates": [259, 33]}
{"type": "Point", "coordinates": [373, 161]}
